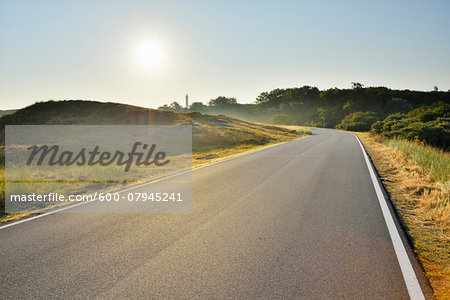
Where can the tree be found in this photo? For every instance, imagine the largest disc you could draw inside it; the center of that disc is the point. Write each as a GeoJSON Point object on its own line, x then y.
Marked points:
{"type": "Point", "coordinates": [262, 98]}
{"type": "Point", "coordinates": [175, 106]}
{"type": "Point", "coordinates": [357, 85]}
{"type": "Point", "coordinates": [323, 115]}
{"type": "Point", "coordinates": [397, 105]}
{"type": "Point", "coordinates": [198, 106]}
{"type": "Point", "coordinates": [222, 101]}
{"type": "Point", "coordinates": [284, 108]}
{"type": "Point", "coordinates": [164, 107]}
{"type": "Point", "coordinates": [272, 97]}
{"type": "Point", "coordinates": [435, 88]}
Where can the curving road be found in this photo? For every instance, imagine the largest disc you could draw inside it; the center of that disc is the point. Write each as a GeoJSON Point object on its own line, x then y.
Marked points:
{"type": "Point", "coordinates": [299, 220]}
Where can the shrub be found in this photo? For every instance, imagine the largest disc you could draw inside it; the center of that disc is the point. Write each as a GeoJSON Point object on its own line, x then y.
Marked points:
{"type": "Point", "coordinates": [358, 121]}
{"type": "Point", "coordinates": [431, 112]}
{"type": "Point", "coordinates": [429, 124]}
{"type": "Point", "coordinates": [396, 105]}
{"type": "Point", "coordinates": [280, 119]}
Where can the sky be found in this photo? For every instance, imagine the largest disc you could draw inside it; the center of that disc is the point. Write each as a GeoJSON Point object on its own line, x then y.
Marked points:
{"type": "Point", "coordinates": [149, 53]}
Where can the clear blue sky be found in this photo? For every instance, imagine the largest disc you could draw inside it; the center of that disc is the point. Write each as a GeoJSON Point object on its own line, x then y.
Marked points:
{"type": "Point", "coordinates": [84, 49]}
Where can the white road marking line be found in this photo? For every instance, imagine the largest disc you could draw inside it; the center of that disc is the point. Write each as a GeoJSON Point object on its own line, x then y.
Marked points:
{"type": "Point", "coordinates": [412, 284]}
{"type": "Point", "coordinates": [140, 185]}
{"type": "Point", "coordinates": [42, 215]}
{"type": "Point", "coordinates": [409, 276]}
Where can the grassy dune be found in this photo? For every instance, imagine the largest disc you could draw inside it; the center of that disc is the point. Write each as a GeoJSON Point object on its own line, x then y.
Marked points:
{"type": "Point", "coordinates": [215, 137]}
{"type": "Point", "coordinates": [297, 128]}
{"type": "Point", "coordinates": [417, 179]}
{"type": "Point", "coordinates": [433, 161]}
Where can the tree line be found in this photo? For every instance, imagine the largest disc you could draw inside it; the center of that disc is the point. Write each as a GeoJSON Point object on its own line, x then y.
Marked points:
{"type": "Point", "coordinates": [310, 106]}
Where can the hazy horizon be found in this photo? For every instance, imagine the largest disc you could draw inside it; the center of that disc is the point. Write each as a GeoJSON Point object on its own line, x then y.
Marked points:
{"type": "Point", "coordinates": [149, 53]}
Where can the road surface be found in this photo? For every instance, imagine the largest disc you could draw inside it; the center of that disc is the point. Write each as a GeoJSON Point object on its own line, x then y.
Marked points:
{"type": "Point", "coordinates": [299, 220]}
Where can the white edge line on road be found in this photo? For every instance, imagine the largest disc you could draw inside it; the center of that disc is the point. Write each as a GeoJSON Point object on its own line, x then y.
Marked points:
{"type": "Point", "coordinates": [412, 284]}
{"type": "Point", "coordinates": [143, 184]}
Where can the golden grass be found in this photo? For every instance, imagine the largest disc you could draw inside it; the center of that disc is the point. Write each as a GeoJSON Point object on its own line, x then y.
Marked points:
{"type": "Point", "coordinates": [421, 198]}
{"type": "Point", "coordinates": [243, 137]}
{"type": "Point", "coordinates": [229, 152]}
{"type": "Point", "coordinates": [236, 138]}
{"type": "Point", "coordinates": [434, 161]}
{"type": "Point", "coordinates": [220, 135]}
{"type": "Point", "coordinates": [297, 128]}
{"type": "Point", "coordinates": [8, 217]}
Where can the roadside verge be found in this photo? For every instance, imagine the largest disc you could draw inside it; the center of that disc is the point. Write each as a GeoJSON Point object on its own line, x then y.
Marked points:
{"type": "Point", "coordinates": [422, 204]}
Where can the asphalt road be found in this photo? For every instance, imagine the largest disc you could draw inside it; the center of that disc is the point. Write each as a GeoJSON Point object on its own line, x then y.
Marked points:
{"type": "Point", "coordinates": [299, 220]}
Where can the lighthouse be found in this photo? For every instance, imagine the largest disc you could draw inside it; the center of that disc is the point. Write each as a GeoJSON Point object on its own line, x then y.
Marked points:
{"type": "Point", "coordinates": [187, 101]}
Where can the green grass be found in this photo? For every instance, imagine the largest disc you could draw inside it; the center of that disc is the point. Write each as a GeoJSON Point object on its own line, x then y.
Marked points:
{"type": "Point", "coordinates": [432, 160]}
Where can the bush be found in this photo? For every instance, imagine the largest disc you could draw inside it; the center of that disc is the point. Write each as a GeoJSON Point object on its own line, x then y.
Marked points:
{"type": "Point", "coordinates": [280, 119]}
{"type": "Point", "coordinates": [358, 121]}
{"type": "Point", "coordinates": [431, 112]}
{"type": "Point", "coordinates": [429, 124]}
{"type": "Point", "coordinates": [397, 105]}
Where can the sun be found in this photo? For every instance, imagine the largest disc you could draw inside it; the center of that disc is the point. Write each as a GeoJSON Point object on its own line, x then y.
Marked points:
{"type": "Point", "coordinates": [149, 54]}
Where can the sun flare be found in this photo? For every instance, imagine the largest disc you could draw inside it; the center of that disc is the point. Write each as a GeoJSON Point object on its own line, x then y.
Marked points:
{"type": "Point", "coordinates": [149, 54]}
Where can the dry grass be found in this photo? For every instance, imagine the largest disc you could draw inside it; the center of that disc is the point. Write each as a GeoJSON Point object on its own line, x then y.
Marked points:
{"type": "Point", "coordinates": [7, 217]}
{"type": "Point", "coordinates": [297, 128]}
{"type": "Point", "coordinates": [435, 162]}
{"type": "Point", "coordinates": [221, 136]}
{"type": "Point", "coordinates": [218, 136]}
{"type": "Point", "coordinates": [422, 197]}
{"type": "Point", "coordinates": [221, 154]}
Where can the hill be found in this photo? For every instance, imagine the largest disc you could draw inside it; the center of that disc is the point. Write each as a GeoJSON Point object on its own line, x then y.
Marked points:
{"type": "Point", "coordinates": [214, 136]}
{"type": "Point", "coordinates": [210, 131]}
{"type": "Point", "coordinates": [7, 112]}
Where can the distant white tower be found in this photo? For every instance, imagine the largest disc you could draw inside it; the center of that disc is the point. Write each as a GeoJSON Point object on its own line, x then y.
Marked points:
{"type": "Point", "coordinates": [187, 101]}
